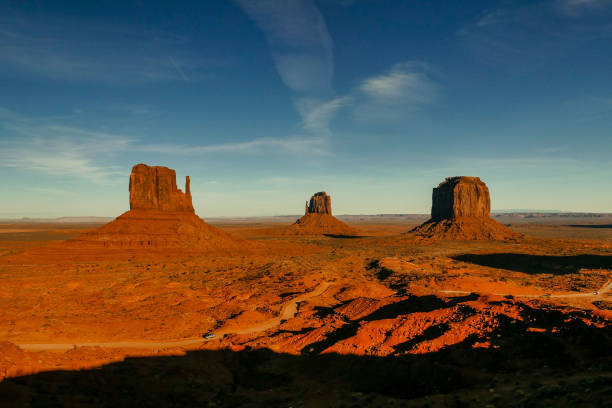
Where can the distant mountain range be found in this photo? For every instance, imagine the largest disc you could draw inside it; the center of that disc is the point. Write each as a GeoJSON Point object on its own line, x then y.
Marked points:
{"type": "Point", "coordinates": [86, 219]}
{"type": "Point", "coordinates": [520, 213]}
{"type": "Point", "coordinates": [527, 210]}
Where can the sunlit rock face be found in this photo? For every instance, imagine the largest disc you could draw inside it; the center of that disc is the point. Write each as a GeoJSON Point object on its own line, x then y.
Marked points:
{"type": "Point", "coordinates": [154, 188]}
{"type": "Point", "coordinates": [459, 197]}
{"type": "Point", "coordinates": [320, 203]}
{"type": "Point", "coordinates": [161, 216]}
{"type": "Point", "coordinates": [318, 219]}
{"type": "Point", "coordinates": [461, 210]}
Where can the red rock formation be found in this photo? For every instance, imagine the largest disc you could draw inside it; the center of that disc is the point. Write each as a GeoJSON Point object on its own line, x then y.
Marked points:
{"type": "Point", "coordinates": [154, 188]}
{"type": "Point", "coordinates": [320, 203]}
{"type": "Point", "coordinates": [318, 219]}
{"type": "Point", "coordinates": [460, 210]}
{"type": "Point", "coordinates": [460, 197]}
{"type": "Point", "coordinates": [160, 216]}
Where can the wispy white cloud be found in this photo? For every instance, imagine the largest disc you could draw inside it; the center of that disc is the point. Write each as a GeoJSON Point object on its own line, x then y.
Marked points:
{"type": "Point", "coordinates": [406, 81]}
{"type": "Point", "coordinates": [404, 88]}
{"type": "Point", "coordinates": [37, 144]}
{"type": "Point", "coordinates": [58, 150]}
{"type": "Point", "coordinates": [529, 36]}
{"type": "Point", "coordinates": [49, 190]}
{"type": "Point", "coordinates": [134, 109]}
{"type": "Point", "coordinates": [299, 41]}
{"type": "Point", "coordinates": [302, 50]}
{"type": "Point", "coordinates": [492, 18]}
{"type": "Point", "coordinates": [577, 7]}
{"type": "Point", "coordinates": [306, 145]}
{"type": "Point", "coordinates": [542, 162]}
{"type": "Point", "coordinates": [318, 114]}
{"type": "Point", "coordinates": [79, 51]}
{"type": "Point", "coordinates": [57, 157]}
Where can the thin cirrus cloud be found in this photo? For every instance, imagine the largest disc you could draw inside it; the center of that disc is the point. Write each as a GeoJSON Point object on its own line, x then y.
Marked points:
{"type": "Point", "coordinates": [81, 154]}
{"type": "Point", "coordinates": [403, 89]}
{"type": "Point", "coordinates": [63, 156]}
{"type": "Point", "coordinates": [300, 44]}
{"type": "Point", "coordinates": [317, 116]}
{"type": "Point", "coordinates": [40, 145]}
{"type": "Point", "coordinates": [577, 7]}
{"type": "Point", "coordinates": [302, 51]}
{"type": "Point", "coordinates": [406, 81]}
{"type": "Point", "coordinates": [96, 52]}
{"type": "Point", "coordinates": [308, 145]}
{"type": "Point", "coordinates": [529, 37]}
{"type": "Point", "coordinates": [49, 149]}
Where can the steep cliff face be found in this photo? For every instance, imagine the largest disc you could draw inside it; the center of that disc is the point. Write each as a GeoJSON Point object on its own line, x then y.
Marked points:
{"type": "Point", "coordinates": [160, 216]}
{"type": "Point", "coordinates": [154, 188]}
{"type": "Point", "coordinates": [460, 197]}
{"type": "Point", "coordinates": [320, 203]}
{"type": "Point", "coordinates": [460, 210]}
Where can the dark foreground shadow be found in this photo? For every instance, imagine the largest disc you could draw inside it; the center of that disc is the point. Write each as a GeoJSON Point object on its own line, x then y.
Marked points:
{"type": "Point", "coordinates": [534, 264]}
{"type": "Point", "coordinates": [604, 226]}
{"type": "Point", "coordinates": [568, 366]}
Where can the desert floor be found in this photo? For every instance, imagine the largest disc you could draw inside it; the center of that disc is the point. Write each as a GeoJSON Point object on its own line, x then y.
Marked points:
{"type": "Point", "coordinates": [313, 321]}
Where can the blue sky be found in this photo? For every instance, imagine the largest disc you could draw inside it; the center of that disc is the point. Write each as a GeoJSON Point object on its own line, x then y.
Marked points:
{"type": "Point", "coordinates": [264, 102]}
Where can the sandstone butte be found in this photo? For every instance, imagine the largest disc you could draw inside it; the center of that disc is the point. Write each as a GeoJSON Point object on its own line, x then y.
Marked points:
{"type": "Point", "coordinates": [160, 216]}
{"type": "Point", "coordinates": [318, 219]}
{"type": "Point", "coordinates": [461, 210]}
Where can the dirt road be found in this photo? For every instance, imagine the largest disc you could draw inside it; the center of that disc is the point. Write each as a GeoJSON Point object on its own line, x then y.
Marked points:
{"type": "Point", "coordinates": [595, 295]}
{"type": "Point", "coordinates": [287, 312]}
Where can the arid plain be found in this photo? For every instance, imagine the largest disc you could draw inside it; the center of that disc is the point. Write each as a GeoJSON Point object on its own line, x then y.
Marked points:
{"type": "Point", "coordinates": [378, 317]}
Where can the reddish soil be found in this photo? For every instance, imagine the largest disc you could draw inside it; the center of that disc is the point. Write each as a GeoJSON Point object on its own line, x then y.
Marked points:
{"type": "Point", "coordinates": [307, 320]}
{"type": "Point", "coordinates": [321, 224]}
{"type": "Point", "coordinates": [157, 229]}
{"type": "Point", "coordinates": [464, 228]}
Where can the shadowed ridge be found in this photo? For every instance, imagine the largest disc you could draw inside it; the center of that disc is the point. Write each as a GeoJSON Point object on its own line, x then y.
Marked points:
{"type": "Point", "coordinates": [547, 368]}
{"type": "Point", "coordinates": [535, 264]}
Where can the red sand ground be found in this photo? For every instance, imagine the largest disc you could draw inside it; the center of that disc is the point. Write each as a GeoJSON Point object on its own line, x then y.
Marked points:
{"type": "Point", "coordinates": [157, 229]}
{"type": "Point", "coordinates": [309, 321]}
{"type": "Point", "coordinates": [464, 228]}
{"type": "Point", "coordinates": [314, 225]}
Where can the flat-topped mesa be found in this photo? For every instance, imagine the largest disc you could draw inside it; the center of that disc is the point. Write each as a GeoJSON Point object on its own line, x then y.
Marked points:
{"type": "Point", "coordinates": [460, 210]}
{"type": "Point", "coordinates": [461, 197]}
{"type": "Point", "coordinates": [320, 203]}
{"type": "Point", "coordinates": [154, 188]}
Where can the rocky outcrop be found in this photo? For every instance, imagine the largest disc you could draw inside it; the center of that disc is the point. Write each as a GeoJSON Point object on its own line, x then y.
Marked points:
{"type": "Point", "coordinates": [154, 188]}
{"type": "Point", "coordinates": [318, 219]}
{"type": "Point", "coordinates": [461, 208]}
{"type": "Point", "coordinates": [460, 197]}
{"type": "Point", "coordinates": [320, 203]}
{"type": "Point", "coordinates": [160, 216]}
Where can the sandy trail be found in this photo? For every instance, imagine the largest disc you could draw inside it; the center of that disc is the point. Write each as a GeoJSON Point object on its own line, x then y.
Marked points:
{"type": "Point", "coordinates": [595, 295]}
{"type": "Point", "coordinates": [287, 312]}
